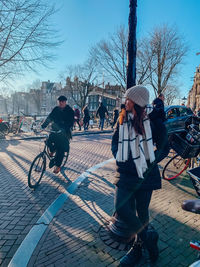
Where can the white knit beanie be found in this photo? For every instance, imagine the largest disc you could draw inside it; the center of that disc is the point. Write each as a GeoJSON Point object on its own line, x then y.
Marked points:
{"type": "Point", "coordinates": [138, 94]}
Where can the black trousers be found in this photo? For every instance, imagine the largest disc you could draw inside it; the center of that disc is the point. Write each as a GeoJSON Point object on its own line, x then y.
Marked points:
{"type": "Point", "coordinates": [59, 143]}
{"type": "Point", "coordinates": [78, 122]}
{"type": "Point", "coordinates": [133, 209]}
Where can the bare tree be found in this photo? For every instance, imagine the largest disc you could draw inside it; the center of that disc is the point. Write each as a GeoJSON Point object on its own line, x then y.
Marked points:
{"type": "Point", "coordinates": [168, 49]}
{"type": "Point", "coordinates": [144, 61]}
{"type": "Point", "coordinates": [35, 94]}
{"type": "Point", "coordinates": [26, 36]}
{"type": "Point", "coordinates": [159, 56]}
{"type": "Point", "coordinates": [171, 93]}
{"type": "Point", "coordinates": [111, 56]}
{"type": "Point", "coordinates": [80, 81]}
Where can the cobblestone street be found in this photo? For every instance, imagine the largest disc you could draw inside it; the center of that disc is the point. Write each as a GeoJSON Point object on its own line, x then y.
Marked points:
{"type": "Point", "coordinates": [74, 235]}
{"type": "Point", "coordinates": [20, 207]}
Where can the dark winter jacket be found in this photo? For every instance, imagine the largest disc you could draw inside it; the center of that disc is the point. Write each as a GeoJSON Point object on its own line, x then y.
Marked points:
{"type": "Point", "coordinates": [101, 111]}
{"type": "Point", "coordinates": [115, 115]}
{"type": "Point", "coordinates": [62, 119]}
{"type": "Point", "coordinates": [86, 115]}
{"type": "Point", "coordinates": [127, 177]}
{"type": "Point", "coordinates": [158, 110]}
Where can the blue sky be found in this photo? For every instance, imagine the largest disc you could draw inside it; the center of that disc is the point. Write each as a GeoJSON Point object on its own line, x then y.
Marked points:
{"type": "Point", "coordinates": [82, 23]}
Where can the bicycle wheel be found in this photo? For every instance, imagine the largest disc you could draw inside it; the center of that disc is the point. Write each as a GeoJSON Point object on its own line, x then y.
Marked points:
{"type": "Point", "coordinates": [65, 159]}
{"type": "Point", "coordinates": [37, 170]}
{"type": "Point", "coordinates": [174, 167]}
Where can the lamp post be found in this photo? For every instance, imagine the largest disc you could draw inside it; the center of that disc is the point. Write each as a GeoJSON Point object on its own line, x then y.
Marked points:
{"type": "Point", "coordinates": [132, 45]}
{"type": "Point", "coordinates": [119, 229]}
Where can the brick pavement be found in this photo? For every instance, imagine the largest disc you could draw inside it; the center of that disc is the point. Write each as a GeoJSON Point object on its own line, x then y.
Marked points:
{"type": "Point", "coordinates": [32, 135]}
{"type": "Point", "coordinates": [73, 237]}
{"type": "Point", "coordinates": [21, 207]}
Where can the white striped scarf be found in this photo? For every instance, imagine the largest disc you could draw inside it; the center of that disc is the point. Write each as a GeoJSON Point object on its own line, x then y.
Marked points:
{"type": "Point", "coordinates": [141, 146]}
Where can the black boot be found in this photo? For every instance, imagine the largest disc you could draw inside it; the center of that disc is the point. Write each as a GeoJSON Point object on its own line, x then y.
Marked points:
{"type": "Point", "coordinates": [132, 256]}
{"type": "Point", "coordinates": [151, 245]}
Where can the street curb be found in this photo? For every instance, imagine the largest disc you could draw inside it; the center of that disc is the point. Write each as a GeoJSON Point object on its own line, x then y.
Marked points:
{"type": "Point", "coordinates": [24, 252]}
{"type": "Point", "coordinates": [44, 136]}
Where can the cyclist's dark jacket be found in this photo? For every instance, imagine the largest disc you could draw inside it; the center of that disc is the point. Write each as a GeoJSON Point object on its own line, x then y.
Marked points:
{"type": "Point", "coordinates": [63, 119]}
{"type": "Point", "coordinates": [127, 177]}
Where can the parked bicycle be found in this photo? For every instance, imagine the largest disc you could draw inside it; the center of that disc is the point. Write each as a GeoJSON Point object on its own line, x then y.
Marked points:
{"type": "Point", "coordinates": [38, 166]}
{"type": "Point", "coordinates": [185, 154]}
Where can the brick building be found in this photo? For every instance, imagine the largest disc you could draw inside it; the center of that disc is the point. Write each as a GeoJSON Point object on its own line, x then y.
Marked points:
{"type": "Point", "coordinates": [194, 93]}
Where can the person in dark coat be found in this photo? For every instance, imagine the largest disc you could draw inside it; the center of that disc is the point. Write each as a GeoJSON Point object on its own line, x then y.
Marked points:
{"type": "Point", "coordinates": [159, 108]}
{"type": "Point", "coordinates": [101, 112]}
{"type": "Point", "coordinates": [77, 117]}
{"type": "Point", "coordinates": [86, 118]}
{"type": "Point", "coordinates": [137, 170]}
{"type": "Point", "coordinates": [62, 119]}
{"type": "Point", "coordinates": [115, 116]}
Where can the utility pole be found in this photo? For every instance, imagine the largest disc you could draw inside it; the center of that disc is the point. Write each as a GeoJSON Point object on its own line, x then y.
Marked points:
{"type": "Point", "coordinates": [132, 45]}
{"type": "Point", "coordinates": [119, 229]}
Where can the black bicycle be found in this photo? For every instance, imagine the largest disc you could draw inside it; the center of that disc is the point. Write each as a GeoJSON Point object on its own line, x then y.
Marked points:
{"type": "Point", "coordinates": [38, 166]}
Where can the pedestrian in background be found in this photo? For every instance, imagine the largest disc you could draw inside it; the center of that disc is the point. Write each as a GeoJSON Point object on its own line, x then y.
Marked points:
{"type": "Point", "coordinates": [77, 117]}
{"type": "Point", "coordinates": [115, 116]}
{"type": "Point", "coordinates": [86, 117]}
{"type": "Point", "coordinates": [159, 108]}
{"type": "Point", "coordinates": [101, 112]}
{"type": "Point", "coordinates": [137, 171]}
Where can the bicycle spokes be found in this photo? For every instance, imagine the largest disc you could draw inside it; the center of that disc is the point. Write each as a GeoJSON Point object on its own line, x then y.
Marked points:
{"type": "Point", "coordinates": [179, 163]}
{"type": "Point", "coordinates": [36, 171]}
{"type": "Point", "coordinates": [175, 166]}
{"type": "Point", "coordinates": [39, 166]}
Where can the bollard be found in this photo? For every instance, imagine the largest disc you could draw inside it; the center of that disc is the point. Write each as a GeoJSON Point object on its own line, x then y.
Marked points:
{"type": "Point", "coordinates": [120, 231]}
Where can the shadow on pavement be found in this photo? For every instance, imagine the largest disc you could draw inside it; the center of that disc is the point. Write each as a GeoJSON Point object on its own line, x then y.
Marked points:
{"type": "Point", "coordinates": [73, 237]}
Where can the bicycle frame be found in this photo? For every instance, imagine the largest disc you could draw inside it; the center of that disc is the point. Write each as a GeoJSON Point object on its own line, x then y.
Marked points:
{"type": "Point", "coordinates": [45, 150]}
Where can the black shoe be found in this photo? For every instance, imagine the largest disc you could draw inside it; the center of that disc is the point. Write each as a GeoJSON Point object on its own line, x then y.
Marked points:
{"type": "Point", "coordinates": [132, 256]}
{"type": "Point", "coordinates": [151, 245]}
{"type": "Point", "coordinates": [51, 163]}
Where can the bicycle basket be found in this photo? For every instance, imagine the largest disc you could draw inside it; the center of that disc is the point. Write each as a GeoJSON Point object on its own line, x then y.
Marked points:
{"type": "Point", "coordinates": [195, 178]}
{"type": "Point", "coordinates": [182, 146]}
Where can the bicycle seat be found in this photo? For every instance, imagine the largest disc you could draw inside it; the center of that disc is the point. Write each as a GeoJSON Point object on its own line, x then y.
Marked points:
{"type": "Point", "coordinates": [192, 205]}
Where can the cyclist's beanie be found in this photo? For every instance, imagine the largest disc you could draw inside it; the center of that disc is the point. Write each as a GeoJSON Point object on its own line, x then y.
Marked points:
{"type": "Point", "coordinates": [62, 98]}
{"type": "Point", "coordinates": [138, 94]}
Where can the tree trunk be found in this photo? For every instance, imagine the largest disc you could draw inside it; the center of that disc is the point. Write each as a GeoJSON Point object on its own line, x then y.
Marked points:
{"type": "Point", "coordinates": [132, 45]}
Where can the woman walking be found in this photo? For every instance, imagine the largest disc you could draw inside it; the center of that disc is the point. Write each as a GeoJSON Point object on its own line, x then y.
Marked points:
{"type": "Point", "coordinates": [137, 170]}
{"type": "Point", "coordinates": [86, 118]}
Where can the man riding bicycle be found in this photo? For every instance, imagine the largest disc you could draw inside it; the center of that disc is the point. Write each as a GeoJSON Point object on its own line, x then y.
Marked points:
{"type": "Point", "coordinates": [62, 118]}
